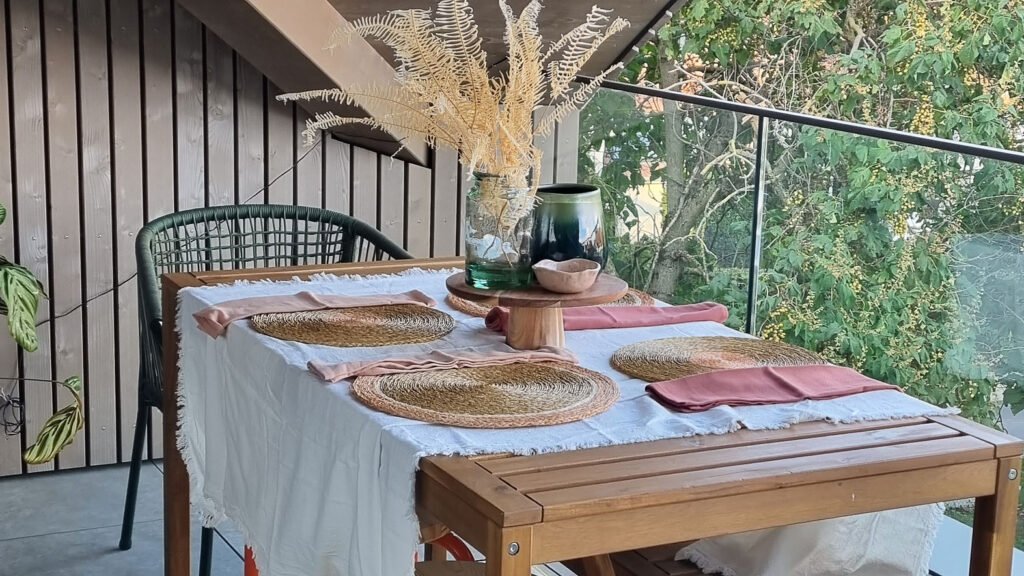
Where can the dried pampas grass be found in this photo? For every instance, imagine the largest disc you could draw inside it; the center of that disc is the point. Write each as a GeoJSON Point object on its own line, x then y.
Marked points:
{"type": "Point", "coordinates": [446, 96]}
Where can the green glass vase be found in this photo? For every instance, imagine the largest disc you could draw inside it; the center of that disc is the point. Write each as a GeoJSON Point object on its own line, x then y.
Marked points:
{"type": "Point", "coordinates": [499, 221]}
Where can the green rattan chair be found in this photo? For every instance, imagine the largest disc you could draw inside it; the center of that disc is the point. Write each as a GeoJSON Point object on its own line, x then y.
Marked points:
{"type": "Point", "coordinates": [221, 238]}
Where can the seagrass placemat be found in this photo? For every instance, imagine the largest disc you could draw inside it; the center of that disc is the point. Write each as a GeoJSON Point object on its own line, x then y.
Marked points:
{"type": "Point", "coordinates": [389, 325]}
{"type": "Point", "coordinates": [480, 309]}
{"type": "Point", "coordinates": [670, 358]}
{"type": "Point", "coordinates": [508, 396]}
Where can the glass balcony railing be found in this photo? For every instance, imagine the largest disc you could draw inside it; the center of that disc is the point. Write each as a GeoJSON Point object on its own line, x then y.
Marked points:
{"type": "Point", "coordinates": [896, 254]}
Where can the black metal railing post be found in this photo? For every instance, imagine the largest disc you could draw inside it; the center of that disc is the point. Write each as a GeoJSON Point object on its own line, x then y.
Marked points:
{"type": "Point", "coordinates": [755, 228]}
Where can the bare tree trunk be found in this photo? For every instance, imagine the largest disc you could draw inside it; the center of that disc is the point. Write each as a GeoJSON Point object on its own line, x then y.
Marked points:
{"type": "Point", "coordinates": [686, 198]}
{"type": "Point", "coordinates": [668, 266]}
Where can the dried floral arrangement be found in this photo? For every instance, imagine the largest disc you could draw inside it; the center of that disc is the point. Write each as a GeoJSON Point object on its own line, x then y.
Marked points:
{"type": "Point", "coordinates": [445, 94]}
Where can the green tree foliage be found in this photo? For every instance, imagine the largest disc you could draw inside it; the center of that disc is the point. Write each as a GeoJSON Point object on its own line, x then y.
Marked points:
{"type": "Point", "coordinates": [900, 261]}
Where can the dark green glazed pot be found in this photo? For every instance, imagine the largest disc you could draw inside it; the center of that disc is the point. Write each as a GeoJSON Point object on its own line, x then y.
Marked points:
{"type": "Point", "coordinates": [568, 224]}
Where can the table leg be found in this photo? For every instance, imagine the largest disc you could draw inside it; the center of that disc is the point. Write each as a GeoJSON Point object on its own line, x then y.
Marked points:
{"type": "Point", "coordinates": [995, 523]}
{"type": "Point", "coordinates": [177, 520]}
{"type": "Point", "coordinates": [509, 551]}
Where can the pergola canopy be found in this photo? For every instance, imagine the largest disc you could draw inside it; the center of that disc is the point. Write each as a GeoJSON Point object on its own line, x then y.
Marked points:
{"type": "Point", "coordinates": [285, 40]}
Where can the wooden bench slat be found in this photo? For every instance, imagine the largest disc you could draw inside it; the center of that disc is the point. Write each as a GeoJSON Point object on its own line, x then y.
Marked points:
{"type": "Point", "coordinates": [773, 474]}
{"type": "Point", "coordinates": [553, 461]}
{"type": "Point", "coordinates": [666, 552]}
{"type": "Point", "coordinates": [633, 564]}
{"type": "Point", "coordinates": [659, 466]}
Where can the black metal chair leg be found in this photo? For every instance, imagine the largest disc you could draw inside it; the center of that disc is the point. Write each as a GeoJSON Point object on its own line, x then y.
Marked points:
{"type": "Point", "coordinates": [206, 552]}
{"type": "Point", "coordinates": [141, 425]}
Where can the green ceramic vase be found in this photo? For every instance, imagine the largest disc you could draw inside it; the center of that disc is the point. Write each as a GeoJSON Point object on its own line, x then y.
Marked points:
{"type": "Point", "coordinates": [568, 223]}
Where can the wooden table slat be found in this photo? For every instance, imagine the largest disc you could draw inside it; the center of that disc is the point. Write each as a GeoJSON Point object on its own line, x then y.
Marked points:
{"type": "Point", "coordinates": [631, 528]}
{"type": "Point", "coordinates": [484, 491]}
{"type": "Point", "coordinates": [1005, 444]}
{"type": "Point", "coordinates": [729, 480]}
{"type": "Point", "coordinates": [608, 454]}
{"type": "Point", "coordinates": [649, 467]}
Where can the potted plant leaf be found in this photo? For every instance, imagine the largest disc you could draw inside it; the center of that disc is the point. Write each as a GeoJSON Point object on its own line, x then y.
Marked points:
{"type": "Point", "coordinates": [20, 294]}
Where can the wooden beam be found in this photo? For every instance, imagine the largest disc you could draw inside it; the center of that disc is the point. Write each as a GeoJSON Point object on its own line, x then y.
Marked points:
{"type": "Point", "coordinates": [286, 41]}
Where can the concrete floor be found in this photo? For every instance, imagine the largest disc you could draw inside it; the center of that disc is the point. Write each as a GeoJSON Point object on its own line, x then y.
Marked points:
{"type": "Point", "coordinates": [69, 524]}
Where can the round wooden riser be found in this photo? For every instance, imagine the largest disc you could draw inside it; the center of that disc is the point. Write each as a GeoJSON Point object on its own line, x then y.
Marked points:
{"type": "Point", "coordinates": [534, 314]}
{"type": "Point", "coordinates": [532, 328]}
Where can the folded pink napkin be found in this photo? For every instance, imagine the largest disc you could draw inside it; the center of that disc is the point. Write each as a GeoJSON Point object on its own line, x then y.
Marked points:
{"type": "Point", "coordinates": [593, 317]}
{"type": "Point", "coordinates": [762, 385]}
{"type": "Point", "coordinates": [440, 360]}
{"type": "Point", "coordinates": [214, 320]}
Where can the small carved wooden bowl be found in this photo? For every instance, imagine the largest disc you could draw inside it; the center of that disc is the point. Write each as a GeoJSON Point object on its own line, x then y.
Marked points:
{"type": "Point", "coordinates": [568, 277]}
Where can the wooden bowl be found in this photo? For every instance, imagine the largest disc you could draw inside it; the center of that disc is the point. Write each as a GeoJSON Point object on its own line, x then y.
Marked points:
{"type": "Point", "coordinates": [569, 277]}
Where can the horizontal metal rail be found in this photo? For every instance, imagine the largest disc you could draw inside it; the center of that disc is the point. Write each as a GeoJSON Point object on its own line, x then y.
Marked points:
{"type": "Point", "coordinates": [940, 144]}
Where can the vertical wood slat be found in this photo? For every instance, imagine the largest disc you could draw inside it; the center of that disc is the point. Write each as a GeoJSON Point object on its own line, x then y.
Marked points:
{"type": "Point", "coordinates": [158, 96]}
{"type": "Point", "coordinates": [280, 146]}
{"type": "Point", "coordinates": [10, 446]}
{"type": "Point", "coordinates": [220, 122]}
{"type": "Point", "coordinates": [546, 144]}
{"type": "Point", "coordinates": [446, 202]}
{"type": "Point", "coordinates": [126, 85]}
{"type": "Point", "coordinates": [309, 174]}
{"type": "Point", "coordinates": [30, 186]}
{"type": "Point", "coordinates": [364, 185]}
{"type": "Point", "coordinates": [337, 176]}
{"type": "Point", "coordinates": [101, 377]}
{"type": "Point", "coordinates": [65, 239]}
{"type": "Point", "coordinates": [249, 148]}
{"type": "Point", "coordinates": [567, 145]}
{"type": "Point", "coordinates": [189, 101]}
{"type": "Point", "coordinates": [392, 199]}
{"type": "Point", "coordinates": [417, 225]}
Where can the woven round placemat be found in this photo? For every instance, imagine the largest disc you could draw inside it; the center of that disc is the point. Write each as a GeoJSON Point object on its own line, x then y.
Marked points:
{"type": "Point", "coordinates": [361, 326]}
{"type": "Point", "coordinates": [509, 396]}
{"type": "Point", "coordinates": [480, 309]}
{"type": "Point", "coordinates": [670, 358]}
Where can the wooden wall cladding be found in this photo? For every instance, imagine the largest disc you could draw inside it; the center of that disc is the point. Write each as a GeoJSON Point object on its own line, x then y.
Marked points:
{"type": "Point", "coordinates": [119, 111]}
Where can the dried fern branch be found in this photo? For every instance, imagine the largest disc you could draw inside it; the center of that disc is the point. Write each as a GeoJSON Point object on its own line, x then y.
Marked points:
{"type": "Point", "coordinates": [445, 95]}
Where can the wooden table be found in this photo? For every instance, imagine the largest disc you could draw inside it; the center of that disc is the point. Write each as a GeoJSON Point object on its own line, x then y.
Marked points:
{"type": "Point", "coordinates": [521, 511]}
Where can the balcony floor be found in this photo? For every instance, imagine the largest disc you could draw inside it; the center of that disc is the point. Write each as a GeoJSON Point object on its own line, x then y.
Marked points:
{"type": "Point", "coordinates": [68, 524]}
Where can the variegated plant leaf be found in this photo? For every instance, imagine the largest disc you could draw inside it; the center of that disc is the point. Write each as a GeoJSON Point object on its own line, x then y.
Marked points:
{"type": "Point", "coordinates": [60, 429]}
{"type": "Point", "coordinates": [20, 293]}
{"type": "Point", "coordinates": [3, 213]}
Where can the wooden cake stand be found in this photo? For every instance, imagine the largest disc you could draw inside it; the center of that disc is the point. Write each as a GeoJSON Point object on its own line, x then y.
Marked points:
{"type": "Point", "coordinates": [535, 314]}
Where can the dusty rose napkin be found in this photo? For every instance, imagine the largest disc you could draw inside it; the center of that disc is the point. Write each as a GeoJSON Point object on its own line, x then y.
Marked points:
{"type": "Point", "coordinates": [214, 320]}
{"type": "Point", "coordinates": [762, 385]}
{"type": "Point", "coordinates": [593, 317]}
{"type": "Point", "coordinates": [440, 360]}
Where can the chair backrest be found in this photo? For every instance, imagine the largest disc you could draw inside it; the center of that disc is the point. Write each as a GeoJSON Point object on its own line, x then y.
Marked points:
{"type": "Point", "coordinates": [234, 237]}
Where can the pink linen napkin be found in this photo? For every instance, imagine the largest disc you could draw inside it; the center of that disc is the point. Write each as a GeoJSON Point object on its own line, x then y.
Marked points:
{"type": "Point", "coordinates": [440, 360]}
{"type": "Point", "coordinates": [762, 385]}
{"type": "Point", "coordinates": [594, 317]}
{"type": "Point", "coordinates": [214, 320]}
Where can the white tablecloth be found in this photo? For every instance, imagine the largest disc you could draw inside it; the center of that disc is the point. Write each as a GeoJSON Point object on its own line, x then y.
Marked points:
{"type": "Point", "coordinates": [321, 485]}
